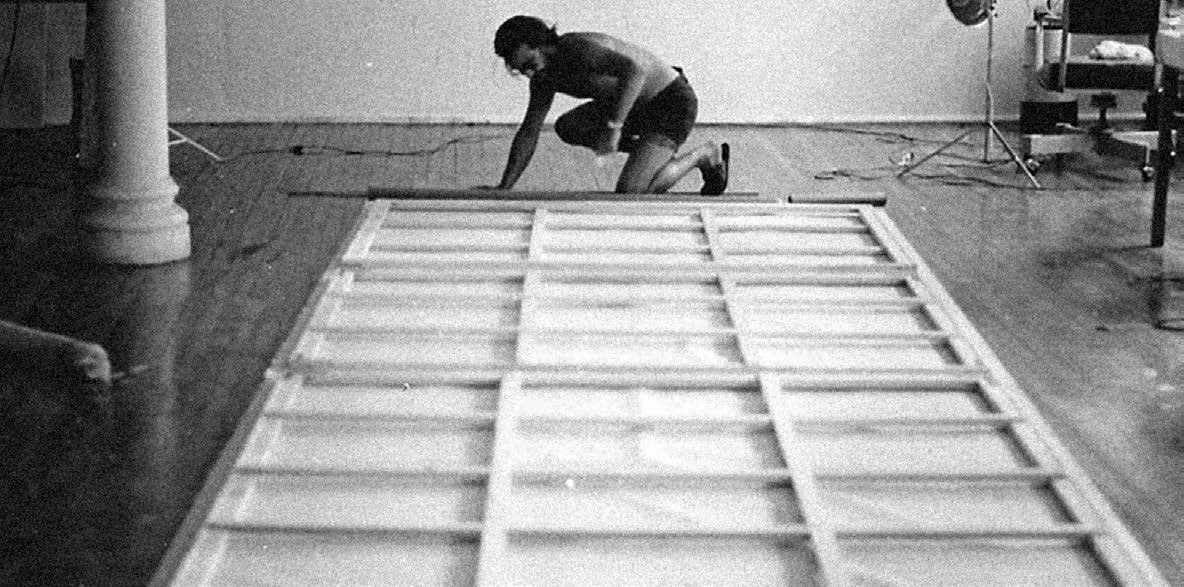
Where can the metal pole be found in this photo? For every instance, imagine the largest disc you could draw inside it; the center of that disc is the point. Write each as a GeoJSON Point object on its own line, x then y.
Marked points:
{"type": "Point", "coordinates": [990, 106]}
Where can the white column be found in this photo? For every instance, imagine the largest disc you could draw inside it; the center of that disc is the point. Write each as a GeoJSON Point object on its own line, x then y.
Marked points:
{"type": "Point", "coordinates": [129, 211]}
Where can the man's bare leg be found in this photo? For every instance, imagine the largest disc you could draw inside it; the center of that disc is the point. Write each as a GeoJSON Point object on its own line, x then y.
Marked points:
{"type": "Point", "coordinates": [645, 162]}
{"type": "Point", "coordinates": [707, 158]}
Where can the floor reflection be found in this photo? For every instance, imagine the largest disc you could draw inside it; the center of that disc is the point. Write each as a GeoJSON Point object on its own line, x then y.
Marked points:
{"type": "Point", "coordinates": [92, 476]}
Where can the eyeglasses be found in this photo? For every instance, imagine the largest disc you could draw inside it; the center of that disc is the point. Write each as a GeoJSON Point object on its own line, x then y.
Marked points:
{"type": "Point", "coordinates": [528, 70]}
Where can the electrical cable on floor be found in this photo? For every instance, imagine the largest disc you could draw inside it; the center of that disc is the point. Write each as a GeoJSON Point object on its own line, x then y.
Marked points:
{"type": "Point", "coordinates": [953, 179]}
{"type": "Point", "coordinates": [885, 136]}
{"type": "Point", "coordinates": [877, 173]}
{"type": "Point", "coordinates": [871, 173]}
{"type": "Point", "coordinates": [302, 150]}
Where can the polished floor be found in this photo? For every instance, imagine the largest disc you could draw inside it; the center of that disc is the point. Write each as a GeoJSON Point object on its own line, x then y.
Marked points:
{"type": "Point", "coordinates": [96, 480]}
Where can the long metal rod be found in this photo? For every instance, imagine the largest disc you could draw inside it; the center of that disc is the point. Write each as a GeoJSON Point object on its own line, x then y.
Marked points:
{"type": "Point", "coordinates": [411, 193]}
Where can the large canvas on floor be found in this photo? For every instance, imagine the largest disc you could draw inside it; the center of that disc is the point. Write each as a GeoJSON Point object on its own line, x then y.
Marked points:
{"type": "Point", "coordinates": [547, 393]}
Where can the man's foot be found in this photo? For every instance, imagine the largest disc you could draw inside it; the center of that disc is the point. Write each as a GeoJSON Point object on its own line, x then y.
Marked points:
{"type": "Point", "coordinates": [715, 178]}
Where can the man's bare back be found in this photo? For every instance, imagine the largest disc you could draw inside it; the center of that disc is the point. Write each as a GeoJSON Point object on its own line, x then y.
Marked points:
{"type": "Point", "coordinates": [594, 62]}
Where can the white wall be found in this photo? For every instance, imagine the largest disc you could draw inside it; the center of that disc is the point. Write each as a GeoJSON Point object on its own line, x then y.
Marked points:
{"type": "Point", "coordinates": [751, 61]}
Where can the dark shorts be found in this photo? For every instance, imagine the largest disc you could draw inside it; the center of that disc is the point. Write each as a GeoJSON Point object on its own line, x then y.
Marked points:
{"type": "Point", "coordinates": [666, 119]}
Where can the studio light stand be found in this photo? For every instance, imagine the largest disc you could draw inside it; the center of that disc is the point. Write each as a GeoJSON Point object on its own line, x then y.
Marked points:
{"type": "Point", "coordinates": [972, 13]}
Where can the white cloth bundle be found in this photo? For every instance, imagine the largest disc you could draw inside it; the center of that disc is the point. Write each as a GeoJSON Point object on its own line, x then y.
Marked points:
{"type": "Point", "coordinates": [1116, 51]}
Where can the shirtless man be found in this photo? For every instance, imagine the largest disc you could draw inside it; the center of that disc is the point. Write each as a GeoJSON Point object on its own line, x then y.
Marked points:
{"type": "Point", "coordinates": [639, 105]}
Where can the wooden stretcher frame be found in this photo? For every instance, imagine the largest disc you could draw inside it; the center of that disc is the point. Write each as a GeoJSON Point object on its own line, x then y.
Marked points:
{"type": "Point", "coordinates": [508, 416]}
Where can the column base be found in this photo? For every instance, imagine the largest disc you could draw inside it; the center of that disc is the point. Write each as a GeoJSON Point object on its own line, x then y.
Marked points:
{"type": "Point", "coordinates": [134, 231]}
{"type": "Point", "coordinates": [137, 248]}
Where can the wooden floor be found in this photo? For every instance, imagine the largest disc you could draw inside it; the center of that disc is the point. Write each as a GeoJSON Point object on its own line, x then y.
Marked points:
{"type": "Point", "coordinates": [1060, 282]}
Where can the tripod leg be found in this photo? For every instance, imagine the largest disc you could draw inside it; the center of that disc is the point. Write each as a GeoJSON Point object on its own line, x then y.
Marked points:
{"type": "Point", "coordinates": [918, 163]}
{"type": "Point", "coordinates": [1015, 157]}
{"type": "Point", "coordinates": [184, 139]}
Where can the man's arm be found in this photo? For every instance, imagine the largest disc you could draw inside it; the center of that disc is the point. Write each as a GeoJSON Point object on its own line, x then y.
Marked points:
{"type": "Point", "coordinates": [527, 137]}
{"type": "Point", "coordinates": [632, 76]}
{"type": "Point", "coordinates": [632, 67]}
{"type": "Point", "coordinates": [632, 81]}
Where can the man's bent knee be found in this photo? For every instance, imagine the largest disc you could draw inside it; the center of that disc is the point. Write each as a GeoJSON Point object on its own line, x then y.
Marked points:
{"type": "Point", "coordinates": [571, 131]}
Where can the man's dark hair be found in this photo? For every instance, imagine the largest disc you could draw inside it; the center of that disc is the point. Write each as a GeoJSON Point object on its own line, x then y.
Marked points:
{"type": "Point", "coordinates": [522, 30]}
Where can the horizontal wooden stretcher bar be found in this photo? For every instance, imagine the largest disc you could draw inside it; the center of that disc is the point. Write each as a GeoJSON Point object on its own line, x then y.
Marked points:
{"type": "Point", "coordinates": [412, 193]}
